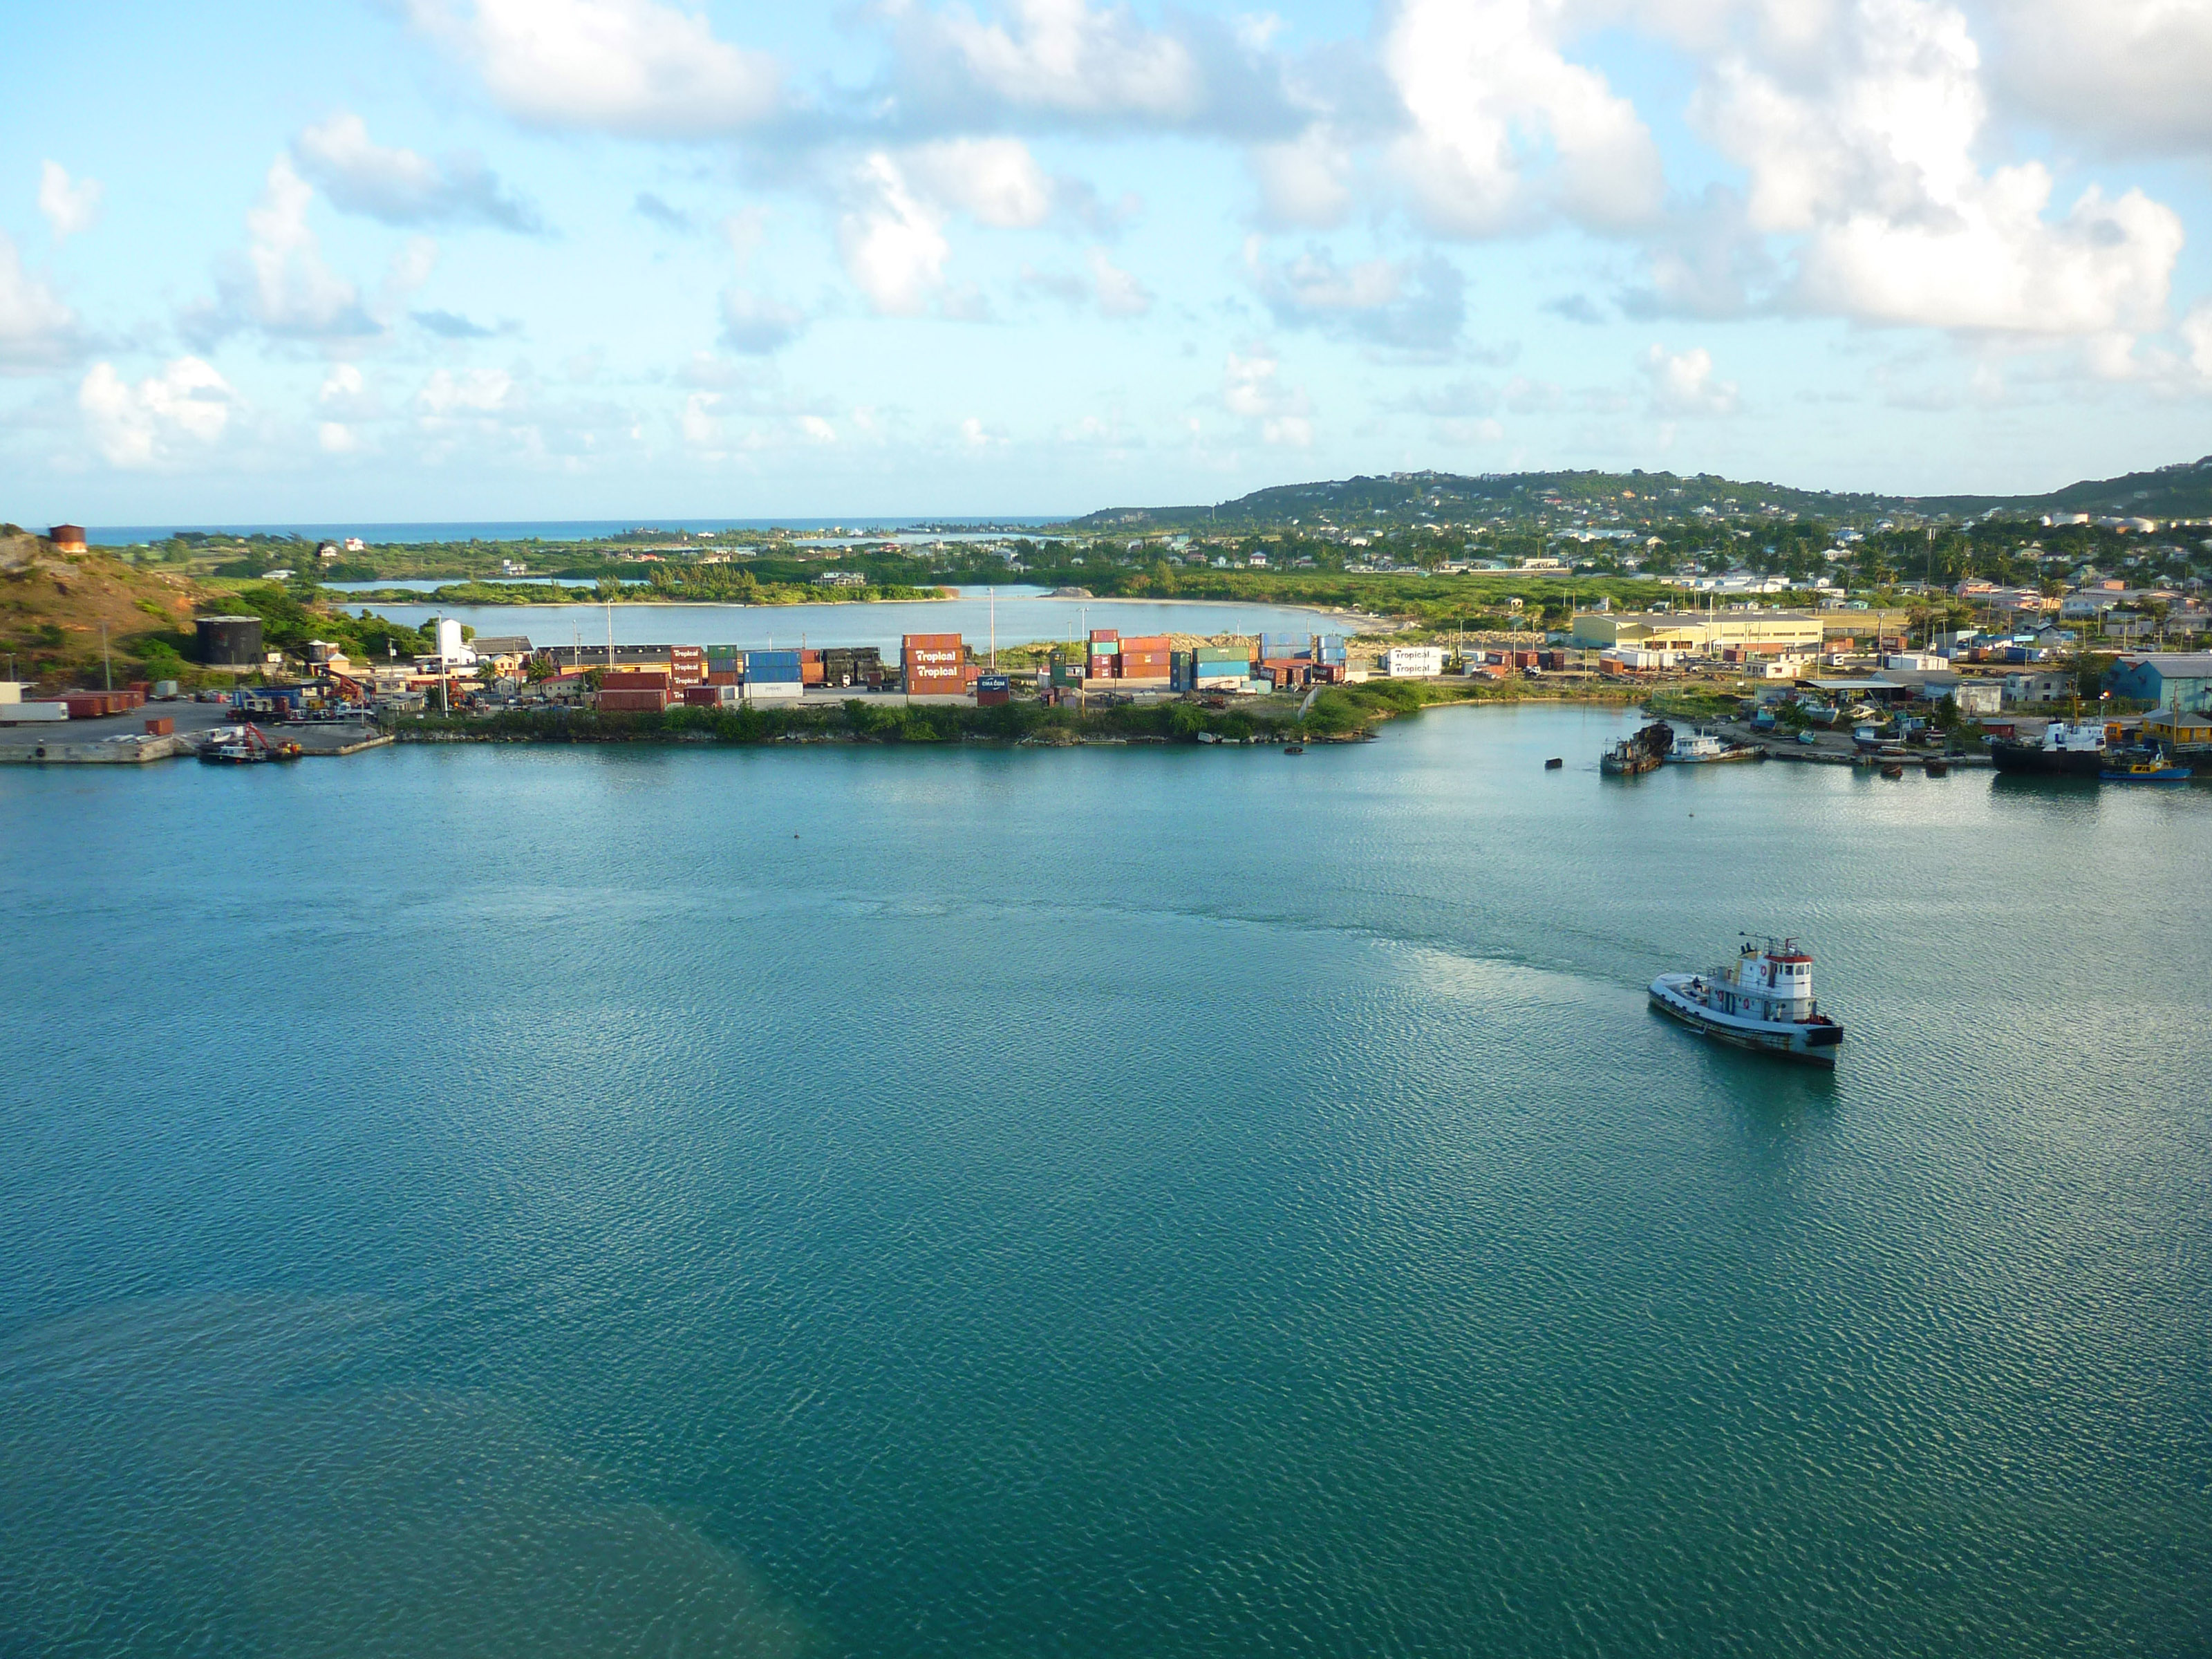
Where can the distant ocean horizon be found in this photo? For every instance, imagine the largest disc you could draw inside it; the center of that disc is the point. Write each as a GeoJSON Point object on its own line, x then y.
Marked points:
{"type": "Point", "coordinates": [551, 529]}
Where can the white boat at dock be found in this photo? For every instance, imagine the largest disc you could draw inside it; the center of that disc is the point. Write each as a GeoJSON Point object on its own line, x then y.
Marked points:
{"type": "Point", "coordinates": [1703, 749]}
{"type": "Point", "coordinates": [1763, 1001]}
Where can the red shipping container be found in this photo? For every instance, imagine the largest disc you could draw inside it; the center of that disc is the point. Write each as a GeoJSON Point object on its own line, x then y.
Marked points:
{"type": "Point", "coordinates": [1148, 642]}
{"type": "Point", "coordinates": [720, 678]}
{"type": "Point", "coordinates": [806, 657]}
{"type": "Point", "coordinates": [811, 672]}
{"type": "Point", "coordinates": [1106, 635]}
{"type": "Point", "coordinates": [634, 680]}
{"type": "Point", "coordinates": [160, 726]}
{"type": "Point", "coordinates": [633, 702]}
{"type": "Point", "coordinates": [709, 696]}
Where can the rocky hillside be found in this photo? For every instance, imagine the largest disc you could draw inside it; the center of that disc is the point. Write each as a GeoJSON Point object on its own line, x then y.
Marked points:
{"type": "Point", "coordinates": [53, 606]}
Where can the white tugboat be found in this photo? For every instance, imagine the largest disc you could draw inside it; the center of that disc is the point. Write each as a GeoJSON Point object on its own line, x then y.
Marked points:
{"type": "Point", "coordinates": [1763, 1000]}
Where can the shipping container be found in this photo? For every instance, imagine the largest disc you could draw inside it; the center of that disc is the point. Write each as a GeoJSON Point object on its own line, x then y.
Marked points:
{"type": "Point", "coordinates": [1107, 633]}
{"type": "Point", "coordinates": [812, 673]}
{"type": "Point", "coordinates": [161, 726]}
{"type": "Point", "coordinates": [30, 713]}
{"type": "Point", "coordinates": [710, 697]}
{"type": "Point", "coordinates": [773, 691]}
{"type": "Point", "coordinates": [633, 702]}
{"type": "Point", "coordinates": [634, 680]}
{"type": "Point", "coordinates": [772, 666]}
{"type": "Point", "coordinates": [1145, 642]}
{"type": "Point", "coordinates": [719, 676]}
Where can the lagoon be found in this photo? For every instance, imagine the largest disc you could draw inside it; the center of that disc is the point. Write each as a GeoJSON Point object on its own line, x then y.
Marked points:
{"type": "Point", "coordinates": [1165, 1201]}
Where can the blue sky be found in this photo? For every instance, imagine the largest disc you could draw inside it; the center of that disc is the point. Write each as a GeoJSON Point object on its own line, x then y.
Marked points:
{"type": "Point", "coordinates": [417, 259]}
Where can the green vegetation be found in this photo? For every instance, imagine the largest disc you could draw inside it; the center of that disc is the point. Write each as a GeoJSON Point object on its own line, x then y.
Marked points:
{"type": "Point", "coordinates": [290, 616]}
{"type": "Point", "coordinates": [1338, 713]}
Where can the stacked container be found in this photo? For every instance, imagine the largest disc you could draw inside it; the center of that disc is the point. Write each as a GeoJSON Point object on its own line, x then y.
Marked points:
{"type": "Point", "coordinates": [934, 665]}
{"type": "Point", "coordinates": [811, 672]}
{"type": "Point", "coordinates": [634, 690]}
{"type": "Point", "coordinates": [687, 664]}
{"type": "Point", "coordinates": [994, 690]}
{"type": "Point", "coordinates": [773, 676]}
{"type": "Point", "coordinates": [725, 664]}
{"type": "Point", "coordinates": [1286, 647]}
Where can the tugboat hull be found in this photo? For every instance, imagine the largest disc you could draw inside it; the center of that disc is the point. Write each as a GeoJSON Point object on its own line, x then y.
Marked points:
{"type": "Point", "coordinates": [1807, 1042]}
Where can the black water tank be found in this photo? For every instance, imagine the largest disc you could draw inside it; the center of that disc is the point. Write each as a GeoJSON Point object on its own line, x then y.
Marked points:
{"type": "Point", "coordinates": [230, 641]}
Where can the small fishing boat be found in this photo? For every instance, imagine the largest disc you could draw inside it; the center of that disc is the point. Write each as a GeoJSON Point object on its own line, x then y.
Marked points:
{"type": "Point", "coordinates": [1763, 1001]}
{"type": "Point", "coordinates": [1937, 768]}
{"type": "Point", "coordinates": [1294, 748]}
{"type": "Point", "coordinates": [1554, 764]}
{"type": "Point", "coordinates": [1892, 769]}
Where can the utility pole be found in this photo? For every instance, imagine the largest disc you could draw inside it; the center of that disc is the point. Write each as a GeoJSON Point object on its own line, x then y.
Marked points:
{"type": "Point", "coordinates": [106, 665]}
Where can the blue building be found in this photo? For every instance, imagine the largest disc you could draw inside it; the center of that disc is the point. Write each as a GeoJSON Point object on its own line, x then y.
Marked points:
{"type": "Point", "coordinates": [2180, 681]}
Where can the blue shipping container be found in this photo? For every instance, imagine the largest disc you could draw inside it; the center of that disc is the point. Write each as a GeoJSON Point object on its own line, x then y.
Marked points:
{"type": "Point", "coordinates": [772, 665]}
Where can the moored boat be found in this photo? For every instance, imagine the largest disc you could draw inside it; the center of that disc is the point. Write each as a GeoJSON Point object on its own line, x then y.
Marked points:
{"type": "Point", "coordinates": [1703, 749]}
{"type": "Point", "coordinates": [1633, 757]}
{"type": "Point", "coordinates": [2067, 749]}
{"type": "Point", "coordinates": [1762, 1001]}
{"type": "Point", "coordinates": [2153, 768]}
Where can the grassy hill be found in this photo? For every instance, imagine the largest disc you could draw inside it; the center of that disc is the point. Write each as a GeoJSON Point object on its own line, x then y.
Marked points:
{"type": "Point", "coordinates": [2183, 490]}
{"type": "Point", "coordinates": [54, 605]}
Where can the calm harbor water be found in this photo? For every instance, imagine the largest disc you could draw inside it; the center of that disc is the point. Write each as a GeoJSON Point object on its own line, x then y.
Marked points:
{"type": "Point", "coordinates": [1114, 1201]}
{"type": "Point", "coordinates": [1023, 615]}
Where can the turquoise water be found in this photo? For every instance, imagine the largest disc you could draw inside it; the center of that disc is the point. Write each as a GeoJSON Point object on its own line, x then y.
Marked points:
{"type": "Point", "coordinates": [1115, 1201]}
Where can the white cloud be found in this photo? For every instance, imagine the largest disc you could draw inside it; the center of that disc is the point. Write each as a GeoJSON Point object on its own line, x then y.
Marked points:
{"type": "Point", "coordinates": [627, 66]}
{"type": "Point", "coordinates": [1865, 148]}
{"type": "Point", "coordinates": [976, 436]}
{"type": "Point", "coordinates": [336, 438]}
{"type": "Point", "coordinates": [1252, 390]}
{"type": "Point", "coordinates": [2129, 75]}
{"type": "Point", "coordinates": [1308, 180]}
{"type": "Point", "coordinates": [474, 391]}
{"type": "Point", "coordinates": [893, 245]}
{"type": "Point", "coordinates": [281, 284]}
{"type": "Point", "coordinates": [163, 418]}
{"type": "Point", "coordinates": [815, 429]}
{"type": "Point", "coordinates": [1486, 90]}
{"type": "Point", "coordinates": [37, 330]}
{"type": "Point", "coordinates": [1065, 56]}
{"type": "Point", "coordinates": [995, 181]}
{"type": "Point", "coordinates": [1415, 305]}
{"type": "Point", "coordinates": [703, 428]}
{"type": "Point", "coordinates": [70, 209]}
{"type": "Point", "coordinates": [401, 187]}
{"type": "Point", "coordinates": [1681, 383]}
{"type": "Point", "coordinates": [755, 325]}
{"type": "Point", "coordinates": [1118, 293]}
{"type": "Point", "coordinates": [2196, 336]}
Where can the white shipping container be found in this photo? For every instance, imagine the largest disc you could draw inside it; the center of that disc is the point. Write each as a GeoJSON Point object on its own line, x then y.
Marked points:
{"type": "Point", "coordinates": [1413, 662]}
{"type": "Point", "coordinates": [21, 714]}
{"type": "Point", "coordinates": [773, 690]}
{"type": "Point", "coordinates": [12, 691]}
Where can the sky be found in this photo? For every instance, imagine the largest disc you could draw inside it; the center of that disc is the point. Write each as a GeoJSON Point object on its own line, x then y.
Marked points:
{"type": "Point", "coordinates": [393, 260]}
